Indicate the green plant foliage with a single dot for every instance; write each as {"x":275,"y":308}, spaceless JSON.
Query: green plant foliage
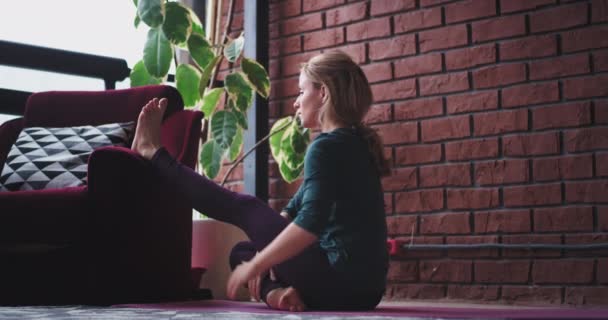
{"x":210,"y":100}
{"x":236,"y":146}
{"x":157,"y":53}
{"x":177,"y":25}
{"x":239,"y":90}
{"x":288,"y":147}
{"x":151,"y":12}
{"x":200,"y":50}
{"x":234,"y":48}
{"x":187,"y":78}
{"x":140,"y":77}
{"x":206,"y":76}
{"x":211,"y":156}
{"x":223,"y":127}
{"x":256,"y":74}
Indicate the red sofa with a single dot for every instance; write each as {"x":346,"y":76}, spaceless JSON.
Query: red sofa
{"x":121,"y":238}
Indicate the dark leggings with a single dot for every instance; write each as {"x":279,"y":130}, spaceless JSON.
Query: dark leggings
{"x":309,"y":272}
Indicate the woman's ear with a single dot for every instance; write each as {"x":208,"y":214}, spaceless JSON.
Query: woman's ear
{"x":324,"y":94}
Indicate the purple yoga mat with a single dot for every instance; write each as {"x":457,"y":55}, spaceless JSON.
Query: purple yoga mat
{"x":391,"y":311}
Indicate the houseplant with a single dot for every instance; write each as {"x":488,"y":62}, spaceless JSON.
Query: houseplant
{"x":174,"y":27}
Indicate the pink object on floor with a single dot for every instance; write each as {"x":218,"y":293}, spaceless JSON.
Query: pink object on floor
{"x":391,"y":311}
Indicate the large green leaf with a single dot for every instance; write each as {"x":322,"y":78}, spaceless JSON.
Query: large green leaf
{"x":234,"y":48}
{"x":178,"y":24}
{"x":200,"y":50}
{"x":187,"y":78}
{"x":136,"y":21}
{"x":210,"y":158}
{"x":223,"y":128}
{"x":207,"y":74}
{"x":151,"y":12}
{"x":241,"y":118}
{"x":157,"y":53}
{"x":275,"y":138}
{"x":197,"y":26}
{"x":210,"y":100}
{"x":257,"y":75}
{"x":236,"y":146}
{"x":140,"y":77}
{"x":239,"y":90}
{"x":289,"y":174}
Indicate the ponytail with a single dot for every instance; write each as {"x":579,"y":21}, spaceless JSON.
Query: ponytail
{"x":376,"y":148}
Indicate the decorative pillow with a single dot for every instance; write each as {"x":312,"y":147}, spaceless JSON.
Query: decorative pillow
{"x":49,"y":158}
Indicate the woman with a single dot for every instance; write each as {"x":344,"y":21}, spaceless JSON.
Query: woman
{"x":327,"y":249}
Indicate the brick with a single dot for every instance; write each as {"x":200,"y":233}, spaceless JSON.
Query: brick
{"x":561,"y":17}
{"x":402,"y":271}
{"x":601,"y":111}
{"x":289,"y":9}
{"x":501,"y":271}
{"x":530,"y":94}
{"x":418,"y":201}
{"x":378,"y":72}
{"x":586,"y":139}
{"x":415,"y":291}
{"x":401,"y":224}
{"x":346,"y":14}
{"x":398,"y":46}
{"x":470,"y":57}
{"x":561,"y":116}
{"x":602,"y":270}
{"x":428,"y":3}
{"x":394,"y":90}
{"x":380,"y":7}
{"x":501,"y":172}
{"x":419,"y":108}
{"x":398,"y":132}
{"x":290,"y":65}
{"x":418,"y":65}
{"x":282,"y":189}
{"x":531,"y":239}
{"x":477,"y":198}
{"x":587,"y":191}
{"x":532,"y":294}
{"x":586,"y":296}
{"x":323,"y":38}
{"x":368,"y":29}
{"x":285,"y":46}
{"x":356,"y":52}
{"x":498,"y":28}
{"x":499,"y":75}
{"x":559,"y":67}
{"x":529,"y":47}
{"x":471,"y":149}
{"x":601,"y":164}
{"x":507,"y":6}
{"x":320,"y":5}
{"x":418,"y":154}
{"x":273,"y":70}
{"x":592,"y":86}
{"x":532,"y":195}
{"x":300,"y":24}
{"x":562,"y":271}
{"x":378,"y":113}
{"x":586,"y":238}
{"x":599,"y":10}
{"x":503,"y":221}
{"x":416,"y":240}
{"x":417,"y":20}
{"x":400,"y":179}
{"x":443,"y":38}
{"x":474,"y":101}
{"x":444,"y":83}
{"x":388,"y":203}
{"x":535,"y":144}
{"x":477,"y":253}
{"x":565,"y":167}
{"x":446,"y":271}
{"x":498,"y":122}
{"x":600,"y":60}
{"x":469,"y":10}
{"x":567,"y":219}
{"x":273,"y":30}
{"x":445,"y":128}
{"x":445,"y":223}
{"x":284,"y":88}
{"x":586,"y":38}
{"x":473,"y":292}
{"x":445,"y":175}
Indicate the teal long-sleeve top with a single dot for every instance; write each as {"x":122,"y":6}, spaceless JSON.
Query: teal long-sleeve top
{"x":341,"y":201}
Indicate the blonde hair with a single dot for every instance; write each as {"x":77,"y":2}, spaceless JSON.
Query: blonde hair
{"x":349,"y":98}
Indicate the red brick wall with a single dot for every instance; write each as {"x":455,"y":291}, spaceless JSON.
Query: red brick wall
{"x":494,"y":116}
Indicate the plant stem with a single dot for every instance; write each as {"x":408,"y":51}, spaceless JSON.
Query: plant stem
{"x":239,"y":160}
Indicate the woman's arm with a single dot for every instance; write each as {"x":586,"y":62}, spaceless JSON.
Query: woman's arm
{"x":291,"y":241}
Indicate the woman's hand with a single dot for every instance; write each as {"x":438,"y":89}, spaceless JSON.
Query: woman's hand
{"x":246,"y":272}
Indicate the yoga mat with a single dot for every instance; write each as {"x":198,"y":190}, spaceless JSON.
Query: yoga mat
{"x":390,"y":311}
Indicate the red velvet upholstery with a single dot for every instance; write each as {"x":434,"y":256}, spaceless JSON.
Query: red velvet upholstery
{"x":121,"y":238}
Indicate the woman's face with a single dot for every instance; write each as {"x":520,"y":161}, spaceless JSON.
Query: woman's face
{"x":309,"y":102}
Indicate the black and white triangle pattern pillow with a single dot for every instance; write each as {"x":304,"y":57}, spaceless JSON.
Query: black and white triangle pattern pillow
{"x":50,"y":158}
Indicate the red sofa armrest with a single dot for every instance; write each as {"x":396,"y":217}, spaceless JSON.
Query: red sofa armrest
{"x":180,"y":134}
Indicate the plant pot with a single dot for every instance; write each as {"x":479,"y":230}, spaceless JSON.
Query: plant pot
{"x":212,"y":241}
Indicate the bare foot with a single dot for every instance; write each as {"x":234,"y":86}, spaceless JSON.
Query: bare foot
{"x":285,"y":299}
{"x":147,"y":134}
